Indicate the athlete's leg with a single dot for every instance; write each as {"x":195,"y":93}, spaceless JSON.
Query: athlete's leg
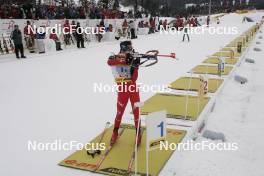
{"x":122,"y":100}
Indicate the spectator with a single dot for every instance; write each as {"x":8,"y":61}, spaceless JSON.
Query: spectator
{"x":40,"y":40}
{"x":164,"y":24}
{"x":43,"y":11}
{"x":125,"y":27}
{"x":67,"y":34}
{"x":29,"y":35}
{"x":132,"y":28}
{"x":146,"y":25}
{"x":98,"y":35}
{"x":217,"y":20}
{"x":79,"y":36}
{"x":118,"y":34}
{"x":73,"y":24}
{"x":186,"y":31}
{"x":160,"y":24}
{"x":196,"y":22}
{"x":208,"y":21}
{"x":16,"y":36}
{"x":54,"y":37}
{"x":152,"y":26}
{"x":192,"y":21}
{"x":102,"y":24}
{"x":109,"y":28}
{"x":141,"y":24}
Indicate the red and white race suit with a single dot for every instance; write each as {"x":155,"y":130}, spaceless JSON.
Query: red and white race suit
{"x":125,"y":77}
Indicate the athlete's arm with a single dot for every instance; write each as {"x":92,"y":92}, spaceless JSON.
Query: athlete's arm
{"x":116,"y":60}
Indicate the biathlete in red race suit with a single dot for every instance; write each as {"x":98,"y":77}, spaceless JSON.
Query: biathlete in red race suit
{"x":125,"y":71}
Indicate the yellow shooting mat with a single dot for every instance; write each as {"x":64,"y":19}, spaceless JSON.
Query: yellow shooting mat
{"x":253,"y":30}
{"x":242,"y":39}
{"x":234,"y":49}
{"x":226,"y":54}
{"x":117,"y":161}
{"x":248,"y":33}
{"x":193,"y":84}
{"x":247,"y":36}
{"x":215,"y":60}
{"x":232,"y":44}
{"x":228,"y":50}
{"x":208,"y":69}
{"x":175,"y":105}
{"x":235,"y":43}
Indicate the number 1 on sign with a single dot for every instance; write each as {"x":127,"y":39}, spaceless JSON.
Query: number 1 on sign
{"x":161,"y":126}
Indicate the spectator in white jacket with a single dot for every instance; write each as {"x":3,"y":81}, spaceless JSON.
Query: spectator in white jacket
{"x":132,"y":28}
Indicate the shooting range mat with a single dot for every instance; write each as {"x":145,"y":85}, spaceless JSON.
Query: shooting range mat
{"x":215,"y":60}
{"x":175,"y":105}
{"x":116,"y":162}
{"x":208,"y":69}
{"x":183,"y":83}
{"x":226,"y":54}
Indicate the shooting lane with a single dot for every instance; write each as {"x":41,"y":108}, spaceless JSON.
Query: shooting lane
{"x":117,"y":161}
{"x":194,"y":83}
{"x":175,"y":104}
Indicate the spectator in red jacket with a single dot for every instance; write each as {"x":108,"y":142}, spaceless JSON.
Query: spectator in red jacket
{"x":192,"y":22}
{"x":124,"y":27}
{"x":29,"y":29}
{"x":152,"y":26}
{"x":29,"y":35}
{"x":54,"y":37}
{"x":165,"y":23}
{"x":67,"y":34}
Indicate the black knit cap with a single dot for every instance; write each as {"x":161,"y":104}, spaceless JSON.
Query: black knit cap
{"x":124,"y":45}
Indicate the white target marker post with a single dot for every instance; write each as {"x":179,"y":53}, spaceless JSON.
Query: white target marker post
{"x":221,"y":66}
{"x":137,"y":105}
{"x":203,"y":90}
{"x":155,"y":133}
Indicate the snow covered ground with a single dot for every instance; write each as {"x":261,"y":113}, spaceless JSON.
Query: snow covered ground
{"x":51,"y":97}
